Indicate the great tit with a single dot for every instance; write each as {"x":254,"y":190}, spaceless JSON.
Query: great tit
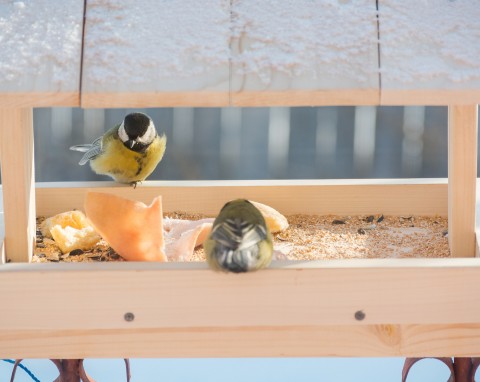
{"x":128,"y":152}
{"x":240,"y":240}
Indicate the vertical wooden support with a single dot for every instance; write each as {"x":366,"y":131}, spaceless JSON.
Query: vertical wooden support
{"x":462,"y":176}
{"x":18,"y":182}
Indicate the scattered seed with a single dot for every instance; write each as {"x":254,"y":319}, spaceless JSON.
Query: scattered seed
{"x":281,"y":238}
{"x":41,"y":245}
{"x":361,"y":231}
{"x":380,"y":219}
{"x":114,"y":256}
{"x":77,"y":252}
{"x":53,"y":257}
{"x":369,"y":219}
{"x":339,"y":221}
{"x":94,"y":256}
{"x":41,"y":255}
{"x":445,"y":232}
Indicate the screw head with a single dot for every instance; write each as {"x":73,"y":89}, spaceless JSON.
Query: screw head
{"x":129,"y":316}
{"x":359,"y":315}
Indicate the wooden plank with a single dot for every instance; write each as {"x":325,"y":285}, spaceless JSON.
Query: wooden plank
{"x":41,"y":52}
{"x":18,"y":179}
{"x":432,"y":97}
{"x":462,"y":175}
{"x":163,"y":53}
{"x":286,"y":97}
{"x":345,"y":197}
{"x":154,"y":99}
{"x":39,"y":99}
{"x":327,"y":56}
{"x":314,"y":341}
{"x":2,"y":230}
{"x":429,"y":54}
{"x":68,"y":296}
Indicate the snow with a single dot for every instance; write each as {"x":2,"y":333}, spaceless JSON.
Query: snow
{"x":191,"y":45}
{"x":430,"y":40}
{"x":40,"y":44}
{"x":141,"y":41}
{"x":312,"y":38}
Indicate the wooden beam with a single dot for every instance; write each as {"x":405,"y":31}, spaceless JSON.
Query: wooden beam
{"x":412,"y":307}
{"x":312,"y":341}
{"x":339,"y":197}
{"x":167,"y":295}
{"x":39,"y":99}
{"x":462,"y":179}
{"x":18,"y":179}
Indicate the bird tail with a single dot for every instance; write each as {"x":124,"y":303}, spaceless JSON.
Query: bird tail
{"x":82,"y":148}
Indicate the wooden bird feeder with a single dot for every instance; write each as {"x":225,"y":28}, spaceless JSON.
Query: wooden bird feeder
{"x":241,"y":53}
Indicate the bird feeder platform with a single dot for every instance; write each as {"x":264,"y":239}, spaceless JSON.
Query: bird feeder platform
{"x":241,"y":53}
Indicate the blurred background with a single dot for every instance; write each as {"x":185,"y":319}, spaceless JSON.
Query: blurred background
{"x":260,"y":143}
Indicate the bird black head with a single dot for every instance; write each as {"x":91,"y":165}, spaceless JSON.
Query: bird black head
{"x":137,"y":131}
{"x":136,"y":124}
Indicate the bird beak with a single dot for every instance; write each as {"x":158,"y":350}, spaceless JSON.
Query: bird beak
{"x":130,"y":143}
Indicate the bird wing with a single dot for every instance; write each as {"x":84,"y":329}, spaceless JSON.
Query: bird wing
{"x":91,"y":150}
{"x":237,"y":234}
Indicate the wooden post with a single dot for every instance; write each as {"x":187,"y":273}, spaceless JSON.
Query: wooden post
{"x":18,"y":182}
{"x":462,"y":176}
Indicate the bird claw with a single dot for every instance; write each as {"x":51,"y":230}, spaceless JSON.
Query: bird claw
{"x":134,"y":184}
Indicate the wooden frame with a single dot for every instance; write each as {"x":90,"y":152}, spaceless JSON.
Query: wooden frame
{"x":413,"y":307}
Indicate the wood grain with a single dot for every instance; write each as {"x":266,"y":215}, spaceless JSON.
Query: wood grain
{"x":340,"y":197}
{"x":186,"y":295}
{"x":314,"y":341}
{"x":328,"y":97}
{"x":437,"y":96}
{"x":39,"y":99}
{"x":462,"y":175}
{"x":18,"y":182}
{"x":155,"y":99}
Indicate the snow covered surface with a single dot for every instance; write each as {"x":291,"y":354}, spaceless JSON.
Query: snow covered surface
{"x":430,"y":43}
{"x":40,"y":45}
{"x":238,"y":45}
{"x":160,"y":45}
{"x":304,"y":44}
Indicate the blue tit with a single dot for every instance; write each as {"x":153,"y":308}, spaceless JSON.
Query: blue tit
{"x":128,"y":152}
{"x":240,"y":240}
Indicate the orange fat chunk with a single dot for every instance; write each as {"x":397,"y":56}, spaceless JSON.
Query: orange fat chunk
{"x":133,"y":229}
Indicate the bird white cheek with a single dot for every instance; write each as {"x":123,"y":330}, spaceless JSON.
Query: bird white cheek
{"x":122,"y":133}
{"x":149,"y":135}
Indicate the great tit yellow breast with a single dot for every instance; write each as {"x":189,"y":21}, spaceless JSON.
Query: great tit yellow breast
{"x":125,"y":165}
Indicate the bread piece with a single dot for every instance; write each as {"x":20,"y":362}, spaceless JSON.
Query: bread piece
{"x":276,"y":222}
{"x":70,"y":238}
{"x":70,"y":230}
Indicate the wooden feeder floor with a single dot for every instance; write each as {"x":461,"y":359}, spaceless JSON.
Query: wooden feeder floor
{"x":310,"y":237}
